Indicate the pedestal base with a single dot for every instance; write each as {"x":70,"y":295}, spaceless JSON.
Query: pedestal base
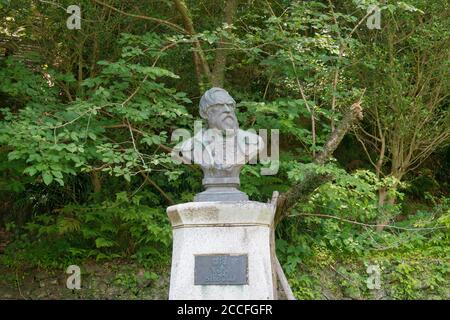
{"x":221,"y":250}
{"x":222,"y":194}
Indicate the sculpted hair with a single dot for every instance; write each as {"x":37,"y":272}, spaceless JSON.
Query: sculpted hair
{"x":212,"y":97}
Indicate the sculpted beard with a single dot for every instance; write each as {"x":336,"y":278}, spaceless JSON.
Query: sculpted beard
{"x":229,"y":121}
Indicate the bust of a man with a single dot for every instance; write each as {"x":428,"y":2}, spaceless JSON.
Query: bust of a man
{"x":222,"y":149}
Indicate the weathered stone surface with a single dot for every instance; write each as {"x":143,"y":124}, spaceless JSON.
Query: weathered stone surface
{"x":220,"y":214}
{"x":218,"y":228}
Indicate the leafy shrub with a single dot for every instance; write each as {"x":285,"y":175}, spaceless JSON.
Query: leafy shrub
{"x":329,"y":242}
{"x":120,"y":228}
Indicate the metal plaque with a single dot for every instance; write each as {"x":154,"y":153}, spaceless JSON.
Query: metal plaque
{"x":223,"y":269}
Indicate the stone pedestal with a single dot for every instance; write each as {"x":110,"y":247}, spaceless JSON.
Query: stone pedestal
{"x":221,"y":251}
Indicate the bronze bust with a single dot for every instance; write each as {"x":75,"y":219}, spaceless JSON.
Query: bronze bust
{"x":222,"y":150}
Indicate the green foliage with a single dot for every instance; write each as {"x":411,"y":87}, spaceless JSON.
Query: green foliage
{"x":120,"y":228}
{"x":67,"y":139}
{"x":327,"y":247}
{"x":352,"y":196}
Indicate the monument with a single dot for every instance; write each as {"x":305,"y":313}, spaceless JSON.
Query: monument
{"x":221,"y":247}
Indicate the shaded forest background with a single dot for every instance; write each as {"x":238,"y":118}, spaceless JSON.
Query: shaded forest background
{"x":86,"y":118}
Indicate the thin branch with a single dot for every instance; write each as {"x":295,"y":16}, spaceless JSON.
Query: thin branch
{"x":163,"y":147}
{"x":363,"y":224}
{"x":160,"y":21}
{"x":365,"y":150}
{"x":134,"y":144}
{"x":153,"y":183}
{"x":134,"y":92}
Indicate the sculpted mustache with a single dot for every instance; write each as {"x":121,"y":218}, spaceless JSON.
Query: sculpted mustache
{"x":228,"y":116}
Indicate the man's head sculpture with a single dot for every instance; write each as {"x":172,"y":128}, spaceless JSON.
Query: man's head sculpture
{"x":217,"y":106}
{"x":222,"y":150}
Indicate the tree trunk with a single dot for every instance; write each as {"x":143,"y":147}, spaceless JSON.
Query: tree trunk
{"x":383,"y":199}
{"x":201,"y":65}
{"x":218,"y":73}
{"x":96,"y":182}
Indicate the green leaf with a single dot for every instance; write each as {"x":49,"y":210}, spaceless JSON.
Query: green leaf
{"x":30,"y":170}
{"x":150,"y":275}
{"x":47,"y":177}
{"x":57,"y":174}
{"x":60,"y":181}
{"x":103,"y":243}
